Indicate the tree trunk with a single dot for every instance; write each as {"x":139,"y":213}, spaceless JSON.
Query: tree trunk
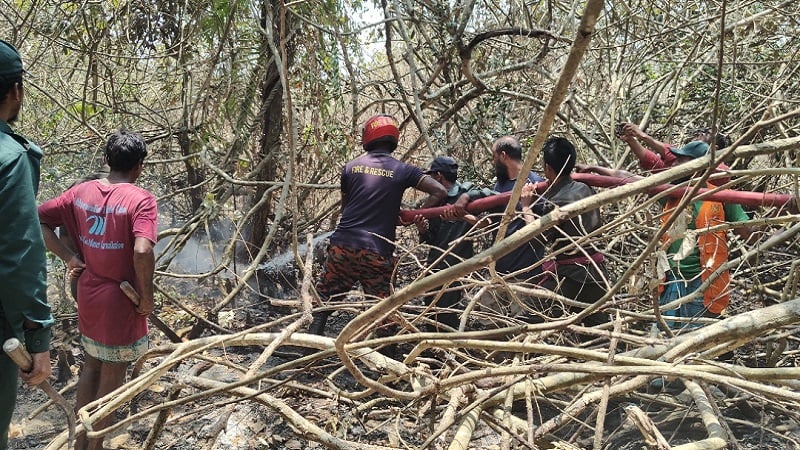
{"x":194,"y":173}
{"x":272,"y":126}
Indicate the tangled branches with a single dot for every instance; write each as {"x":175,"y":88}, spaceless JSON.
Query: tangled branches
{"x":503,"y":382}
{"x":506,"y":385}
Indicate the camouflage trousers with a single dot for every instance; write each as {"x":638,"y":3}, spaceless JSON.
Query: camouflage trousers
{"x":344,"y":267}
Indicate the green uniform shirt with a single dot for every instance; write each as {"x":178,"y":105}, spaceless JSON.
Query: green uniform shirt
{"x":23,"y":265}
{"x":689,"y":267}
{"x":441,"y":233}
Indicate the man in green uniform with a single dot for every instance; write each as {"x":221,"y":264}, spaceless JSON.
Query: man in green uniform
{"x":444,"y":234}
{"x":24,"y":312}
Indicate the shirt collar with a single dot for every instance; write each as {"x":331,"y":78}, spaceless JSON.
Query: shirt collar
{"x":562,"y":181}
{"x":453,"y":190}
{"x":5,"y":128}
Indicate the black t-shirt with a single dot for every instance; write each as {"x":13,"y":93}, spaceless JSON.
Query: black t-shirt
{"x":526,"y":254}
{"x":372,"y":190}
{"x":562,"y":193}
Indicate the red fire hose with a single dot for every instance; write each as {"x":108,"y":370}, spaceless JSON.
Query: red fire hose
{"x":744,"y":198}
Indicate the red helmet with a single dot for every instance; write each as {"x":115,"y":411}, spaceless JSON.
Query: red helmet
{"x":378,"y":127}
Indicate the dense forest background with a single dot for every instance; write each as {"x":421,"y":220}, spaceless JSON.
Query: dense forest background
{"x":250,"y":108}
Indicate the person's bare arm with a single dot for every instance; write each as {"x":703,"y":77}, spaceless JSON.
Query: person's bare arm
{"x":604,"y":171}
{"x":636,"y":147}
{"x":75,"y":264}
{"x":648,"y":159}
{"x":453,"y":214}
{"x":526,"y":199}
{"x":458,"y":210}
{"x":144,"y":264}
{"x":633,"y":131}
{"x":436,"y":192}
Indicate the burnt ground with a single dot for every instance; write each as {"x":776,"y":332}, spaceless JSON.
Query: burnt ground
{"x":251,"y":426}
{"x":756,"y":424}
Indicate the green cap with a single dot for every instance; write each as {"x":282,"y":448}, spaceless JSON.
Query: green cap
{"x":10,"y":62}
{"x":694,"y":149}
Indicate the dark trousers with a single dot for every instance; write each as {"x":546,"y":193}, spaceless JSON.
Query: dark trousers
{"x":583,"y":292}
{"x":448,"y":300}
{"x":8,"y":392}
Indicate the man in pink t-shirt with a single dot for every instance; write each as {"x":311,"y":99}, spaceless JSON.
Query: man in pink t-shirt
{"x":114,"y":226}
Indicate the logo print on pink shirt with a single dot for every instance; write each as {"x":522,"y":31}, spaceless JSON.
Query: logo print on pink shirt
{"x":98,"y":227}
